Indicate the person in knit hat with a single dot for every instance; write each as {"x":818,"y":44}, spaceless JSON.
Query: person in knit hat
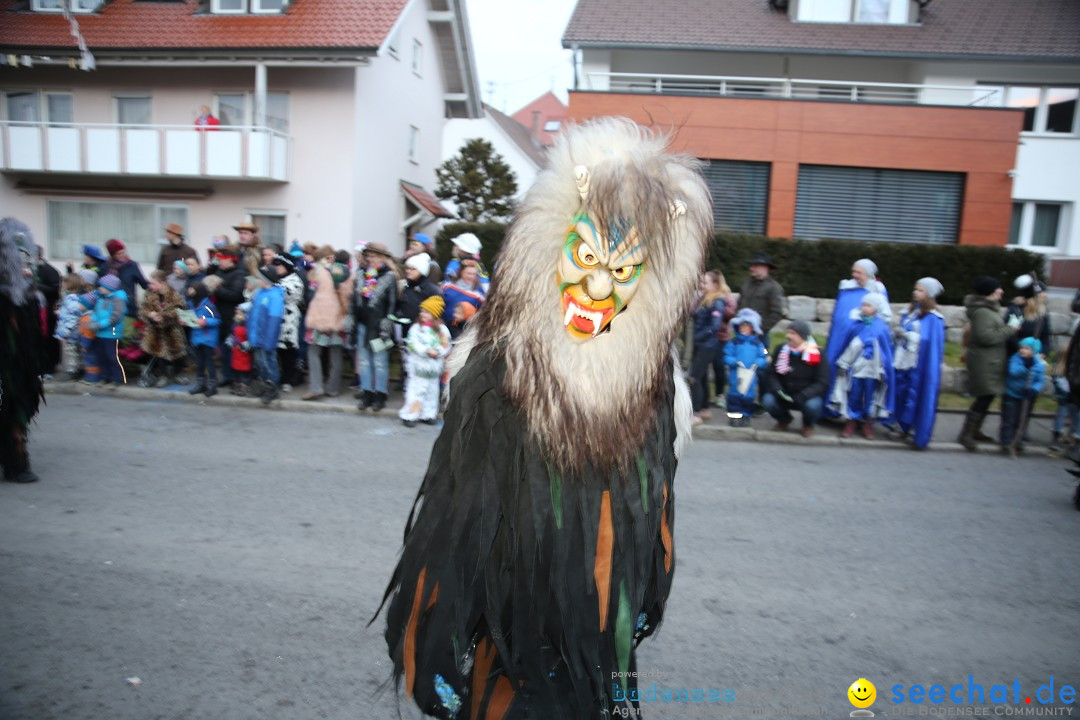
{"x":865,"y":384}
{"x":1031,"y":305}
{"x":796,"y":380}
{"x":984,"y":355}
{"x":1025,"y":380}
{"x":918,"y":352}
{"x":463,"y":312}
{"x":107,"y":322}
{"x":426,"y":346}
{"x":129,"y":273}
{"x":417,"y":287}
{"x":744,"y":357}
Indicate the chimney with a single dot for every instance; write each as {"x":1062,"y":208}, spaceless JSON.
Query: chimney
{"x":534,"y":129}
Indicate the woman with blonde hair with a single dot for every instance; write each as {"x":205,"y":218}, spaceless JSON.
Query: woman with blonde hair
{"x":710,"y":319}
{"x":731,"y":306}
{"x":1030,"y":306}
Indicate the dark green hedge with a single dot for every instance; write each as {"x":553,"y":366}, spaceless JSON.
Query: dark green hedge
{"x":815,"y":267}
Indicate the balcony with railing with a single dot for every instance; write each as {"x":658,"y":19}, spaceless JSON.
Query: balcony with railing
{"x":181,"y":151}
{"x":794,"y":89}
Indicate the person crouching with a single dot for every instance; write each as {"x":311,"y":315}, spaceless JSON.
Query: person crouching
{"x":427,"y":344}
{"x":797,"y":380}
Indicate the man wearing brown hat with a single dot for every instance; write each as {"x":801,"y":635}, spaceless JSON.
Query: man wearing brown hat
{"x":762,"y":293}
{"x":248,"y":234}
{"x":177,"y":249}
{"x":375,"y":299}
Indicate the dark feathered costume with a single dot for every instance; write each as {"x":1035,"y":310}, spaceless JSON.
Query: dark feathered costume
{"x":540,"y":551}
{"x":21,"y":348}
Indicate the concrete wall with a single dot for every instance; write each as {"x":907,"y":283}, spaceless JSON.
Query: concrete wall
{"x":390,"y":98}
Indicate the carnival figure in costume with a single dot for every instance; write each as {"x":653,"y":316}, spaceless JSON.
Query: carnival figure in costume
{"x":917,"y":356}
{"x":539,"y":551}
{"x":21,"y":346}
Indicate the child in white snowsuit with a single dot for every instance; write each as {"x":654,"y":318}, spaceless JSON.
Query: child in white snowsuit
{"x":427,"y":344}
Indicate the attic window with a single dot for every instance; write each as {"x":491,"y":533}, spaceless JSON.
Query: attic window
{"x":243,"y":7}
{"x":75,"y":6}
{"x":552,"y":126}
{"x":873,"y":12}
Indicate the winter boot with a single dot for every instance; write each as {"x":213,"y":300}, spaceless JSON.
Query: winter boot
{"x":849,"y":429}
{"x":977,"y":434}
{"x":972,"y":420}
{"x":380,"y":402}
{"x":200,"y":387}
{"x":211,"y":388}
{"x":20,"y":472}
{"x":367,"y":399}
{"x":270,"y":394}
{"x":868,"y":429}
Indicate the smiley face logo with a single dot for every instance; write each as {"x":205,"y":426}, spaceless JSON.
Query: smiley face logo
{"x":862,"y":693}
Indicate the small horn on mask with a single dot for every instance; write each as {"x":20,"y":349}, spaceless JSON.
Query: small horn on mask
{"x":677,"y":208}
{"x":581,"y":178}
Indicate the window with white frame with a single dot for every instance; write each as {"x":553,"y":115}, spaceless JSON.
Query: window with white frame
{"x":75,"y":6}
{"x":417,"y":56}
{"x":1046,"y":109}
{"x":35,"y":105}
{"x":277,"y":111}
{"x":71,"y":224}
{"x":877,"y":12}
{"x":231,"y":108}
{"x":240,"y":7}
{"x":271,"y":224}
{"x":414,"y":143}
{"x":1038,"y":225}
{"x":132,"y":109}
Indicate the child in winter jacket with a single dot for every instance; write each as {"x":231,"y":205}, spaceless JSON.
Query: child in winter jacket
{"x":240,"y":356}
{"x":264,"y":329}
{"x":163,"y":335}
{"x":1023,"y":381}
{"x":204,"y":339}
{"x":744,"y":356}
{"x":865,"y":378}
{"x":1067,"y":410}
{"x":427,"y":344}
{"x":107,"y":322}
{"x":67,"y":320}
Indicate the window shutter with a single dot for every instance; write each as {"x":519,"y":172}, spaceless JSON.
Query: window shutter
{"x":849,"y":203}
{"x":740,"y":194}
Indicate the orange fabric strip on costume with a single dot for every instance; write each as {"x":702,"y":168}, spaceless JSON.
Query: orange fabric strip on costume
{"x":602,"y":568}
{"x":481,"y":668}
{"x":665,"y":533}
{"x":501,"y":698}
{"x":409,"y":655}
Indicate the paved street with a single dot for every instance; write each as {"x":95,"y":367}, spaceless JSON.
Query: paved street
{"x":229,"y":558}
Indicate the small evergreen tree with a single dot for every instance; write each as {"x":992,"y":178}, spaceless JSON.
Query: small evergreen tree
{"x":478,"y":181}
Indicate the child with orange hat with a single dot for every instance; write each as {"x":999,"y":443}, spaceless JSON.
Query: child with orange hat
{"x":426,"y":347}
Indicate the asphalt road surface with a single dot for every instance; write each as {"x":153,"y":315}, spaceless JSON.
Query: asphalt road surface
{"x":230,"y":558}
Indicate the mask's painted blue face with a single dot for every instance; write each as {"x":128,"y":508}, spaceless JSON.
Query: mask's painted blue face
{"x":598,"y":275}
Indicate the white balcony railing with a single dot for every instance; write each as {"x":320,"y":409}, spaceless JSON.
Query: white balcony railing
{"x":796,"y":89}
{"x":243,"y":153}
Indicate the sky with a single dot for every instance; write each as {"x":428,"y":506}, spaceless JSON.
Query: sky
{"x":518,"y":50}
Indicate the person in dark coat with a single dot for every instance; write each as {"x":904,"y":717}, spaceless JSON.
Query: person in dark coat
{"x":129,"y":273}
{"x":375,"y":299}
{"x":227,"y":297}
{"x":177,"y":249}
{"x":985,"y":353}
{"x":94,"y":259}
{"x":762,"y":294}
{"x":20,"y":354}
{"x":796,"y":380}
{"x":417,"y":287}
{"x":48,"y":282}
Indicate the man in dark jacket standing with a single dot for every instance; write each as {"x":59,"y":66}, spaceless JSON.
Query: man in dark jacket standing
{"x":227,"y":297}
{"x":177,"y":249}
{"x":763,"y":294}
{"x":375,"y":299}
{"x":796,"y":379}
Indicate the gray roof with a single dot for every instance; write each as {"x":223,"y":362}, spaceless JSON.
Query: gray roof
{"x":1040,"y":30}
{"x":519,"y":134}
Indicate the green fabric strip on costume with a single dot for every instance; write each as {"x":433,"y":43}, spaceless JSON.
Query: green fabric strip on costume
{"x":556,"y":494}
{"x":624,"y":632}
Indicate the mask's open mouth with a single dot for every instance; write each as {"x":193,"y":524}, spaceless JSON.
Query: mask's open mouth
{"x":586,"y":321}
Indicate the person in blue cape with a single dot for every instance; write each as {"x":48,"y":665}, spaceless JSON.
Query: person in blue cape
{"x":849,"y":297}
{"x":865,"y":382}
{"x":917,"y":357}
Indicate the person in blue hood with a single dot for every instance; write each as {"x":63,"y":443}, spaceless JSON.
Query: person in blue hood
{"x":745,"y":357}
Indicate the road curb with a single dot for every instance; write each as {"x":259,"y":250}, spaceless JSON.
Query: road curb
{"x":705,"y":431}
